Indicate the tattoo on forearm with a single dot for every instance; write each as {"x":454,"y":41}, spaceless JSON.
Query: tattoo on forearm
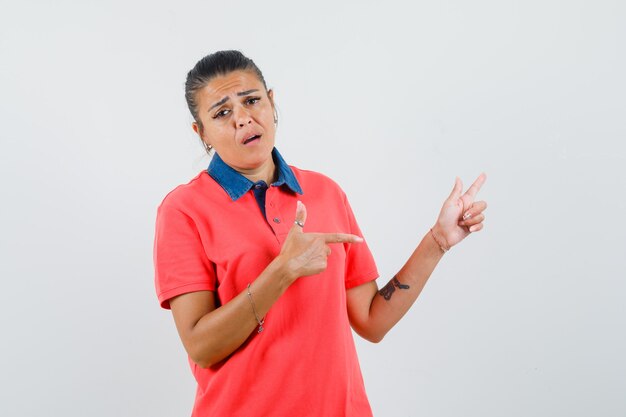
{"x":388,"y":290}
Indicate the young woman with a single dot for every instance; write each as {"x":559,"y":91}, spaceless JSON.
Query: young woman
{"x":264,"y":267}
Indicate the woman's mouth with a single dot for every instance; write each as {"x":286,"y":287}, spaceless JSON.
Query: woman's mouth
{"x":251,"y":139}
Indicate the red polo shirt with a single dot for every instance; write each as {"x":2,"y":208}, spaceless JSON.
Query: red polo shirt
{"x":304,"y":363}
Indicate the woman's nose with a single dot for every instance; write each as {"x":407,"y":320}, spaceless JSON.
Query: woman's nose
{"x":242,"y":117}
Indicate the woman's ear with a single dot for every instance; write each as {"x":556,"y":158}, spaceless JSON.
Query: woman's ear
{"x":270,"y":94}
{"x":198,"y":129}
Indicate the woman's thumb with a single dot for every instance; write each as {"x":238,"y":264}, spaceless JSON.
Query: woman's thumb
{"x":300,"y":215}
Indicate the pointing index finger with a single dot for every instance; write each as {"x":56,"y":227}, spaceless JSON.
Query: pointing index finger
{"x":475,"y":187}
{"x":341,"y":238}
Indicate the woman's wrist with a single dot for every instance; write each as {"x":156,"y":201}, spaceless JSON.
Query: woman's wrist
{"x":280,"y":267}
{"x":439,"y":239}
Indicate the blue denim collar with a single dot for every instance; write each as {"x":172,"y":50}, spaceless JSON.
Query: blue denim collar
{"x":236,"y":185}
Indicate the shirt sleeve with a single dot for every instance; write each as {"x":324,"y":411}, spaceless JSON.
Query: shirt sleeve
{"x":180,"y":262}
{"x":360,"y":264}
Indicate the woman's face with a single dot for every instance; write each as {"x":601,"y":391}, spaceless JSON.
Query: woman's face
{"x":237,"y":116}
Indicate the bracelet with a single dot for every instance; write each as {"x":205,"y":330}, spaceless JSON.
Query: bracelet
{"x":443,"y":249}
{"x":260,"y":321}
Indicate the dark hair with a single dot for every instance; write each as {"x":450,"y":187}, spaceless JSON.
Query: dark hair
{"x":211,"y":66}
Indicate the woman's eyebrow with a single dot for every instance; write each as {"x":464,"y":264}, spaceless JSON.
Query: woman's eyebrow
{"x":225,"y":99}
{"x":245,"y":93}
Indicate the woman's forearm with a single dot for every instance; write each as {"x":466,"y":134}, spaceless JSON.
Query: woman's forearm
{"x":392,"y":301}
{"x":220,"y":332}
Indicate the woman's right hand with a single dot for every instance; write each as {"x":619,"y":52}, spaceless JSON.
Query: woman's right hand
{"x":306,"y":254}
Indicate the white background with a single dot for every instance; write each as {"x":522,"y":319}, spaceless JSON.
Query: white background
{"x":392,"y":100}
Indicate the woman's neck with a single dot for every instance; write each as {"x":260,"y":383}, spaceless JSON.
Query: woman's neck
{"x":266,"y":172}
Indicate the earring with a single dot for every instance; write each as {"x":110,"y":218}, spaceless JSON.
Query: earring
{"x":275,"y":117}
{"x":207,"y":147}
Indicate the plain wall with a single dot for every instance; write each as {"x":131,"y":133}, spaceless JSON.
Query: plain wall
{"x":392,"y":100}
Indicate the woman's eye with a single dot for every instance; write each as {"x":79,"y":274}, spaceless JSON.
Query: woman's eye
{"x":221,"y":113}
{"x":253,"y":100}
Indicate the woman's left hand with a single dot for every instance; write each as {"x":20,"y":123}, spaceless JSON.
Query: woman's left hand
{"x":460,"y":214}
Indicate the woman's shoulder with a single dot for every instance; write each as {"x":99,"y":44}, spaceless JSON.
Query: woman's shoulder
{"x":184,"y":194}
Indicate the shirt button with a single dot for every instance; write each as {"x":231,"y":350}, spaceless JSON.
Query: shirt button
{"x":257,"y":186}
{"x":276,"y":220}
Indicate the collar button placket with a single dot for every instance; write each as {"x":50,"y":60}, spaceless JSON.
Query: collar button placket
{"x":275,"y":217}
